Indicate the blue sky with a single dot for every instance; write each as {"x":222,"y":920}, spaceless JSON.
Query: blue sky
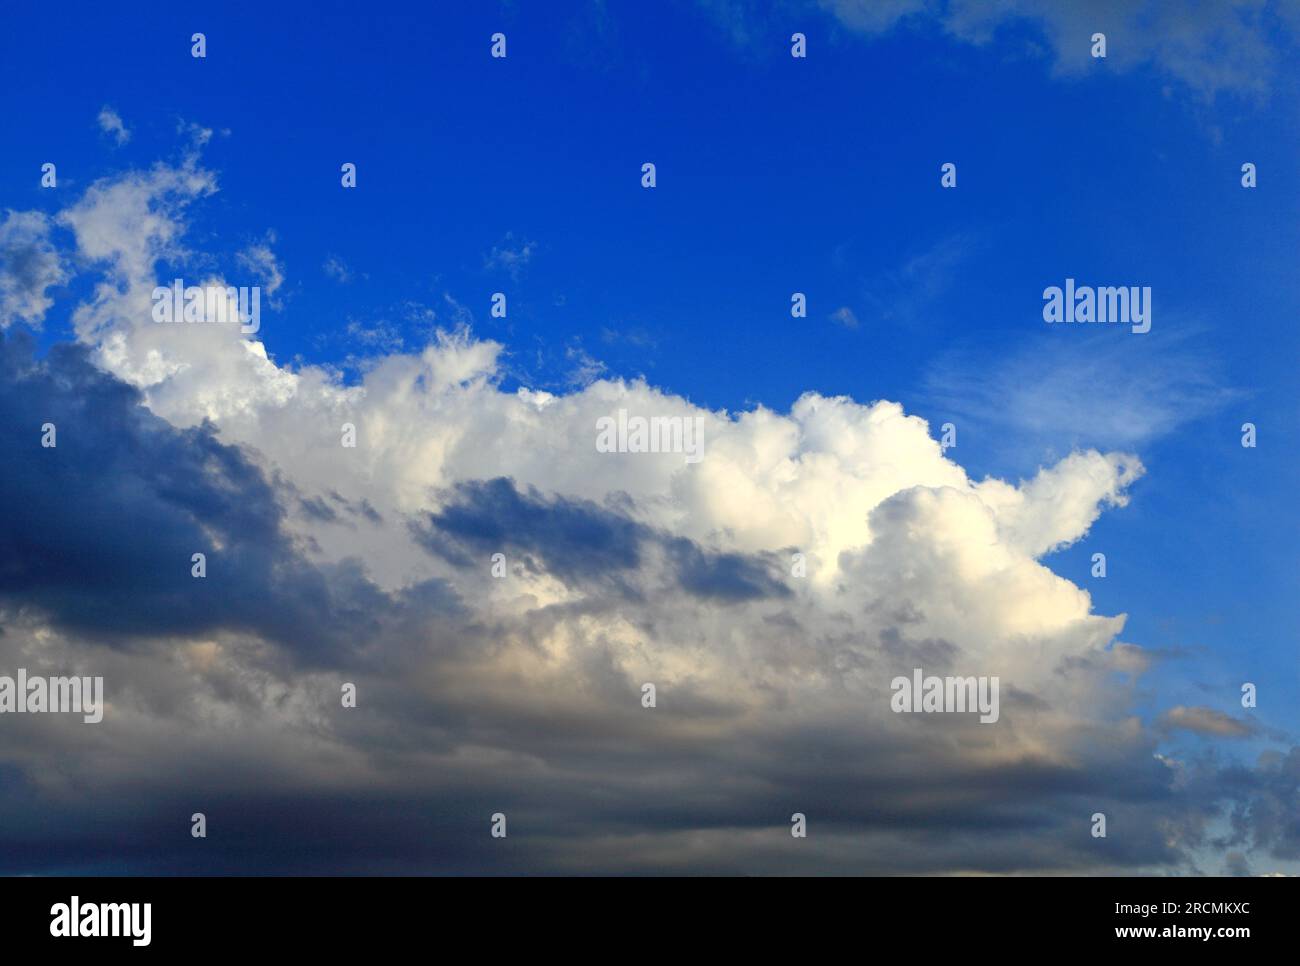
{"x":775,"y":175}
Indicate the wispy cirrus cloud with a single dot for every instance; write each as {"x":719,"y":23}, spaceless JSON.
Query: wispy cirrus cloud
{"x":510,"y":256}
{"x":337,"y":269}
{"x":1069,"y":388}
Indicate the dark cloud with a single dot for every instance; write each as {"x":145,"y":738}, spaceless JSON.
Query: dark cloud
{"x":723,"y":576}
{"x":579,"y":542}
{"x":1266,"y":811}
{"x":102,"y":527}
{"x":571,"y":540}
{"x":317,"y":509}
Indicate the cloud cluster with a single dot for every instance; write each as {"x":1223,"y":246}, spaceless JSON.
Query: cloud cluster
{"x":770,"y":592}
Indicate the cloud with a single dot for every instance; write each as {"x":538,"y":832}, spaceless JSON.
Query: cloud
{"x":586,"y":369}
{"x":844,"y":316}
{"x":337,"y":269}
{"x":510,"y":256}
{"x":1071,"y":389}
{"x":372,"y":564}
{"x":111,"y":124}
{"x":260,"y":259}
{"x":1060,"y":504}
{"x":1267,"y":814}
{"x":124,"y":227}
{"x":109,"y":555}
{"x":1206,"y":721}
{"x":573,"y":540}
{"x":582,"y":544}
{"x":1235,"y":864}
{"x":29,"y":265}
{"x":1237,"y":46}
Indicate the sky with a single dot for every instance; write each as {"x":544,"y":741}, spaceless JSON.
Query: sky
{"x":476,"y":435}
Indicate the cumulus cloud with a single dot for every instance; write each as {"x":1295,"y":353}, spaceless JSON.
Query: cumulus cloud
{"x":770,"y":591}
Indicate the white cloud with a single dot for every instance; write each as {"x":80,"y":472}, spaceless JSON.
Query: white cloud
{"x":111,"y":124}
{"x":862,"y":489}
{"x":809,"y":479}
{"x":1060,"y":504}
{"x":261,"y":260}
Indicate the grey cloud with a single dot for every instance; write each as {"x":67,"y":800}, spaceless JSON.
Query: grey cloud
{"x":1206,"y":721}
{"x":578,"y":541}
{"x":29,"y":265}
{"x":111,"y":516}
